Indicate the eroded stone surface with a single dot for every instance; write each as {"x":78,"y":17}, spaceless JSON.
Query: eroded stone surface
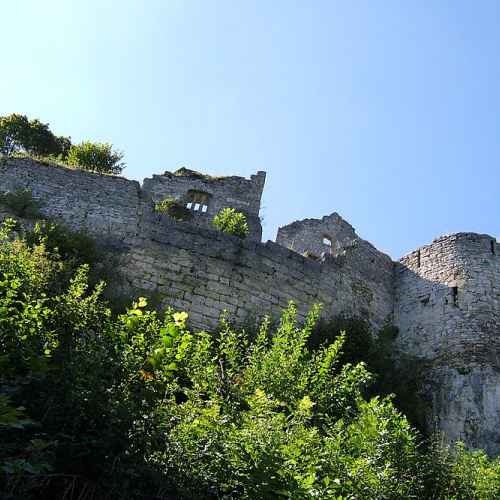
{"x":448,"y":311}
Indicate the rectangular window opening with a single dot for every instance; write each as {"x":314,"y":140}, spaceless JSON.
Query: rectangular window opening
{"x":454,"y":294}
{"x":204,"y":208}
{"x":196,"y":206}
{"x":418,"y":259}
{"x":189,"y":205}
{"x":493,"y":249}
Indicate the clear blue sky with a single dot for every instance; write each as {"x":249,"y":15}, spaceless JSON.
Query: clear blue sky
{"x":387,"y":112}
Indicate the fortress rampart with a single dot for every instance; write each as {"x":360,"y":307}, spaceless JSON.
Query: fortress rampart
{"x":199,"y":269}
{"x":448,"y":312}
{"x":444,"y":297}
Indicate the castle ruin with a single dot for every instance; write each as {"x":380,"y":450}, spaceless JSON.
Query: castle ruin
{"x":444,"y":297}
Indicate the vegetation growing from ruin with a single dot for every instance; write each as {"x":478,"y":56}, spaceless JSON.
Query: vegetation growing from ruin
{"x":96,"y":157}
{"x":98,"y":405}
{"x":21,"y":203}
{"x":194,"y":174}
{"x":230,"y":221}
{"x":171,"y":207}
{"x":21,"y":136}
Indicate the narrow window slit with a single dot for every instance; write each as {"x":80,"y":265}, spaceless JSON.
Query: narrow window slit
{"x":419,"y":260}
{"x":493,"y":249}
{"x":454,"y":295}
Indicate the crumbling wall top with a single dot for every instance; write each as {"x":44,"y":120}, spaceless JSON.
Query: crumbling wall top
{"x":206,"y":195}
{"x":314,"y":237}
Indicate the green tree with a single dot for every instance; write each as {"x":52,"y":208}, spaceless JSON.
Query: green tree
{"x":97,"y":157}
{"x":230,"y":221}
{"x":14,"y":132}
{"x":19,"y":134}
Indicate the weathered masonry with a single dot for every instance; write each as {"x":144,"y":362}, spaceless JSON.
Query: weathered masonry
{"x":444,"y":297}
{"x":447,"y":307}
{"x":205,"y":195}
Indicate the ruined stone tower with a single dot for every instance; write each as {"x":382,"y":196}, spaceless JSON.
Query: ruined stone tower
{"x":447,"y":308}
{"x":205,"y":195}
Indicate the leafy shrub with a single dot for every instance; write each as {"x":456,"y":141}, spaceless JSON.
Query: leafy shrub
{"x":452,"y":472}
{"x":401,"y":377}
{"x":271,"y":419}
{"x":21,"y":203}
{"x":75,"y":246}
{"x":230,"y":221}
{"x":172,"y":208}
{"x":137,"y":406}
{"x":97,"y":157}
{"x":18,"y":134}
{"x":359,"y":344}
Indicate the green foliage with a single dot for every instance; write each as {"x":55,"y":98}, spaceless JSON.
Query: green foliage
{"x":134,"y":405}
{"x":21,"y":203}
{"x":401,"y":377}
{"x":96,"y":157}
{"x":171,"y":207}
{"x":19,"y":134}
{"x":359,"y":344}
{"x":75,"y":246}
{"x":457,"y":473}
{"x":230,"y":221}
{"x":272,"y":419}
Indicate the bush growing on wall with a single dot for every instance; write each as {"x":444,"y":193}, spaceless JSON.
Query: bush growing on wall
{"x":21,"y":203}
{"x":230,"y":221}
{"x":97,"y":157}
{"x":171,"y":207}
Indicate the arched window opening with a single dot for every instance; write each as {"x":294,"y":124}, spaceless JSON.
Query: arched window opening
{"x":327,"y":241}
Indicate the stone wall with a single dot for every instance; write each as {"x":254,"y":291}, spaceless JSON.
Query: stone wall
{"x":205,"y":272}
{"x":444,"y":297}
{"x":330,"y":235}
{"x":198,"y":269}
{"x":220,"y":192}
{"x":106,"y":206}
{"x":448,"y":313}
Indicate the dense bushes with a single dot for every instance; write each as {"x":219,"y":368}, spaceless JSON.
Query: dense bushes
{"x":94,"y":405}
{"x":230,"y":221}
{"x":19,"y":135}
